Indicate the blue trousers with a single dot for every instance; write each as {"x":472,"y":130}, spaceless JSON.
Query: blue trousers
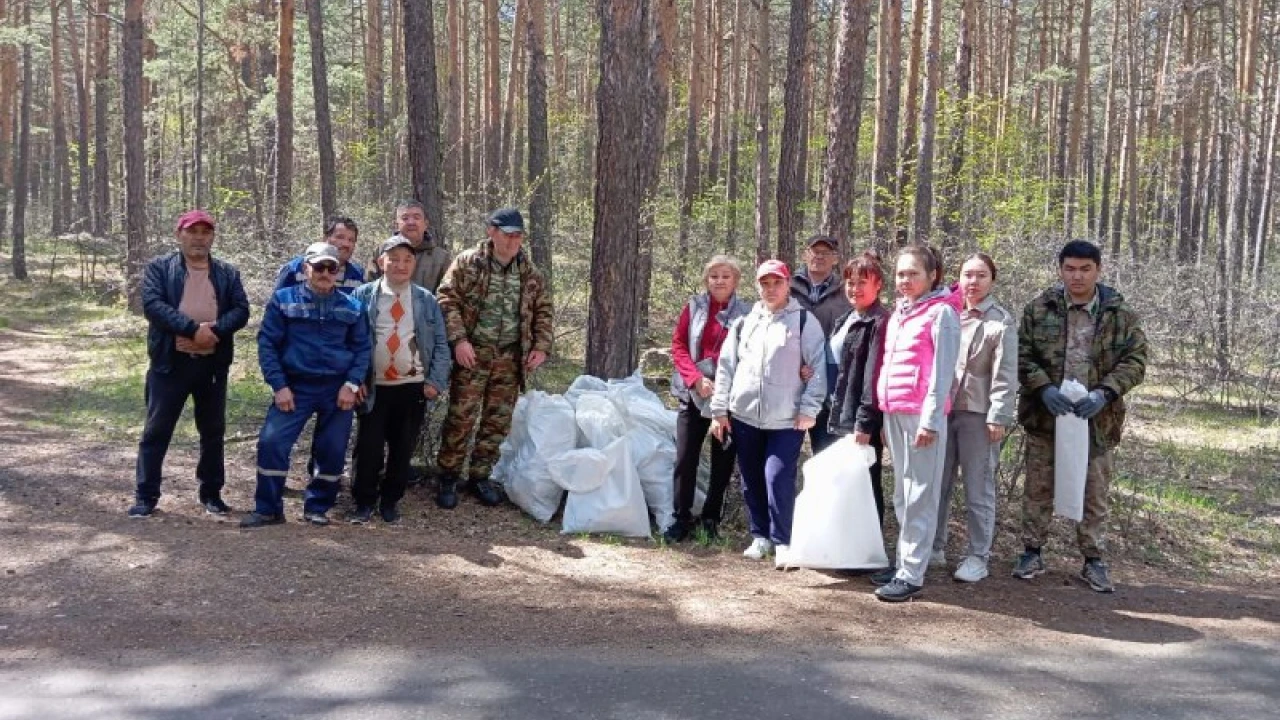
{"x":767,"y":460}
{"x":328,"y":446}
{"x":203,"y":380}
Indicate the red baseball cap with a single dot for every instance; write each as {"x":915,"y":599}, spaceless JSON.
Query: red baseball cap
{"x":195,"y":217}
{"x":773,"y":267}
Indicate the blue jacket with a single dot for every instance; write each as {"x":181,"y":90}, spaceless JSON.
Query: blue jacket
{"x":305,"y":336}
{"x":428,"y":334}
{"x":163,"y":281}
{"x":293,"y":273}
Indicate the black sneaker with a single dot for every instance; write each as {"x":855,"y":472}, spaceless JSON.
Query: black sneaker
{"x":487,"y":492}
{"x":897,"y":591}
{"x":447,"y":494}
{"x":254,"y":520}
{"x":1029,"y":565}
{"x":361,"y":515}
{"x":316,"y":518}
{"x":710,"y":528}
{"x":1095,"y":573}
{"x":142,"y":509}
{"x":215,"y":506}
{"x":883,"y":577}
{"x":678,"y":532}
{"x":390,"y":514}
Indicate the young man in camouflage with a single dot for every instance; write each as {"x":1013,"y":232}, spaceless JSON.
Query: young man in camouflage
{"x":498,"y":320}
{"x":1083,"y":330}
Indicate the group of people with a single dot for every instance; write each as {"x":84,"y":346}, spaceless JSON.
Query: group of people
{"x":333,"y":345}
{"x":936,"y":378}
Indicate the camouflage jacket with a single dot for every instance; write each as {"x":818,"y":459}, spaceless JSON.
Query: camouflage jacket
{"x":461,"y":296}
{"x":1118,"y":360}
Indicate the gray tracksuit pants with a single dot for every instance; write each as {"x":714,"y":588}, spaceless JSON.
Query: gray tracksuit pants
{"x":971,"y":454}
{"x":917,"y":487}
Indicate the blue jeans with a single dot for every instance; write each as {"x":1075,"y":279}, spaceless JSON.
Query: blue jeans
{"x":204,"y":380}
{"x":767,"y":460}
{"x":280,"y":431}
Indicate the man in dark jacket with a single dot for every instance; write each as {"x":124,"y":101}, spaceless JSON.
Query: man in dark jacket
{"x":341,"y":232}
{"x":1082,"y":330}
{"x":820,"y":290}
{"x":194,"y":304}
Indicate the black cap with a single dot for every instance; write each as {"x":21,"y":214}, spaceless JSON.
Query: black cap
{"x":833,"y":243}
{"x":394,"y":242}
{"x":508,"y":220}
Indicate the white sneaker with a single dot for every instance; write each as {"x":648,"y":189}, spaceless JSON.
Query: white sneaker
{"x":781,"y":556}
{"x":971,"y":570}
{"x":760,"y":549}
{"x":938,"y":558}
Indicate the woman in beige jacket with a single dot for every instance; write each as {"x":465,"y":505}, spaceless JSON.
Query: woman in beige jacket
{"x":986,"y":387}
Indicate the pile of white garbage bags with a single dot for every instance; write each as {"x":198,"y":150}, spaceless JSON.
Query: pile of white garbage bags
{"x":610,"y":445}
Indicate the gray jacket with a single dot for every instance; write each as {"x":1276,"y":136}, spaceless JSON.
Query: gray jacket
{"x":758,"y":378}
{"x":987,"y":367}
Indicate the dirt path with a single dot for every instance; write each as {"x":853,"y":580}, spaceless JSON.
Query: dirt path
{"x":80,"y":579}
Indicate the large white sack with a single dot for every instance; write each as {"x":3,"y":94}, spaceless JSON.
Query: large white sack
{"x":542,"y":428}
{"x":584,"y":384}
{"x":581,"y":471}
{"x":655,"y":459}
{"x":616,"y":507}
{"x":1070,"y":457}
{"x":835,"y":526}
{"x":599,"y":421}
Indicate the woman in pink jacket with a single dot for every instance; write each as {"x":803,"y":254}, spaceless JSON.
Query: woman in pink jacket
{"x":922,"y":340}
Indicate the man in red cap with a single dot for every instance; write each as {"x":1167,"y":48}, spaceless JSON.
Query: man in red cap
{"x":194,"y":304}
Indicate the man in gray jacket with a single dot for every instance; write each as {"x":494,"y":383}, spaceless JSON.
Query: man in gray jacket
{"x":819,"y":289}
{"x":762,"y":403}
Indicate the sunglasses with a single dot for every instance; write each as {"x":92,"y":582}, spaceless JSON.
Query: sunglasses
{"x":330,"y":268}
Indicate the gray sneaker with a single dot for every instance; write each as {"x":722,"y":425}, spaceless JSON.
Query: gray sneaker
{"x":1029,"y":565}
{"x":1096,"y":574}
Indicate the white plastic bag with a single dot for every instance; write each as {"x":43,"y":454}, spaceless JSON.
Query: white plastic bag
{"x":599,"y":421}
{"x":835,"y":526}
{"x":1070,"y":457}
{"x":542,"y":428}
{"x":655,"y":460}
{"x":584,"y":384}
{"x":581,"y":471}
{"x":617,"y":506}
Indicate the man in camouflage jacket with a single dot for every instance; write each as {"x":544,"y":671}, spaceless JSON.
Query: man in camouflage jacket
{"x":498,"y":320}
{"x":1083,"y":330}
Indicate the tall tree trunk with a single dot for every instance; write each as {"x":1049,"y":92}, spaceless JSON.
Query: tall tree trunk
{"x":493,"y":100}
{"x":506,"y":156}
{"x":952,"y":196}
{"x":1008,"y":71}
{"x":911,"y":115}
{"x":624,"y":62}
{"x":135,"y":160}
{"x":663,"y":29}
{"x":453,"y":102}
{"x":197,"y":154}
{"x":101,"y":96}
{"x":763,"y":109}
{"x":1109,"y":130}
{"x":928,"y":127}
{"x":8,"y":87}
{"x":466,"y":151}
{"x":22,"y":164}
{"x":884,"y":173}
{"x":715,"y":46}
{"x":1262,"y":231}
{"x":844,"y":119}
{"x":1077,"y":115}
{"x":539,"y":168}
{"x":61,"y":195}
{"x":81,"y":221}
{"x":374,"y":110}
{"x":690,"y":181}
{"x":320,"y":91}
{"x":790,"y":170}
{"x":283,"y":188}
{"x":1187,"y":110}
{"x":732,"y":181}
{"x":423,"y":111}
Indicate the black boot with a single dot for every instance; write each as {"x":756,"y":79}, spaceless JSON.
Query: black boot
{"x":447,"y":495}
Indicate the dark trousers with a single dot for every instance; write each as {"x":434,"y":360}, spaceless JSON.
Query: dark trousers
{"x":819,"y":436}
{"x":393,"y":424}
{"x":691,"y":431}
{"x":280,"y":430}
{"x":204,"y":380}
{"x":877,"y":473}
{"x":767,"y":460}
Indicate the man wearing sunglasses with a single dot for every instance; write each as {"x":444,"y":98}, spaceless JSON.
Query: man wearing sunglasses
{"x":313,"y":348}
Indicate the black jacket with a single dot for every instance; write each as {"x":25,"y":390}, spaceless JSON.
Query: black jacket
{"x":162,"y":285}
{"x":853,"y":405}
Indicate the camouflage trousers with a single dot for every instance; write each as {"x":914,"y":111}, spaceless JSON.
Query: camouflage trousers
{"x":1037,"y":501}
{"x":487,"y":392}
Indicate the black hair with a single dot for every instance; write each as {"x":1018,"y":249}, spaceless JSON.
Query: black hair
{"x":332,"y":222}
{"x":1080,"y":250}
{"x":410,"y":203}
{"x":986,"y":260}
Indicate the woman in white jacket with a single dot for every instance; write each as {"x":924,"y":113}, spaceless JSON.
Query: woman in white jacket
{"x":764,"y":406}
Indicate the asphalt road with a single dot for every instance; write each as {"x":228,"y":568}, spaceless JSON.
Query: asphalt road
{"x":1102,"y":679}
